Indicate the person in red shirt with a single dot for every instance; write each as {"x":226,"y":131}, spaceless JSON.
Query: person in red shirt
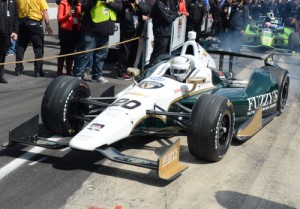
{"x":182,"y":8}
{"x":68,"y":16}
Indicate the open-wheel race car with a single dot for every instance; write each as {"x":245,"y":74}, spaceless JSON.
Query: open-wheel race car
{"x":270,"y":33}
{"x":180,"y":96}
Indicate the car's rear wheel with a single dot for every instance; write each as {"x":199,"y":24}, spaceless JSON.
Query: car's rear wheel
{"x":61,"y":105}
{"x":210,"y":128}
{"x":282,"y":77}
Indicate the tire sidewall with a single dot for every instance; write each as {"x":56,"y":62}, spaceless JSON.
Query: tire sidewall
{"x":204,"y":127}
{"x":56,"y":105}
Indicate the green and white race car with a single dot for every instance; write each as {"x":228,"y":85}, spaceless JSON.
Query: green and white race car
{"x":184,"y":95}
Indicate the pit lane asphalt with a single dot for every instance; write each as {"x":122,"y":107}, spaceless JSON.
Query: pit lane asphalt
{"x":260,"y":173}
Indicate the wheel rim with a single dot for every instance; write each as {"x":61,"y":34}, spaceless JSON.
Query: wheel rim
{"x":76,"y":108}
{"x":284,"y":94}
{"x":224,"y":130}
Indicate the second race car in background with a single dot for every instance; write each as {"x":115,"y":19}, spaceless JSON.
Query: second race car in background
{"x":270,"y":34}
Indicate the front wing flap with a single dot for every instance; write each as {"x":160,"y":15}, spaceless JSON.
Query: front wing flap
{"x":27,"y":133}
{"x":168,"y":165}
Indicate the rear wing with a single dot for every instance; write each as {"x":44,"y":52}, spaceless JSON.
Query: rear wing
{"x":268,"y":60}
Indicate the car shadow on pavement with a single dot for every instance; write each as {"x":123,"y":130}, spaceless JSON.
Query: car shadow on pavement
{"x":231,"y":199}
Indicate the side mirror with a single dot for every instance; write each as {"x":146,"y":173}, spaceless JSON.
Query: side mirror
{"x":134,"y":72}
{"x":195,"y":81}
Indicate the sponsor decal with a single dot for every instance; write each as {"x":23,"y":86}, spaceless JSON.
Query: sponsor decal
{"x":183,"y":90}
{"x":179,"y":27}
{"x":157,"y":78}
{"x":71,"y":131}
{"x":84,"y":85}
{"x":150,"y":85}
{"x":177,"y":91}
{"x":222,"y":76}
{"x":139,"y":161}
{"x":44,"y":142}
{"x":266,"y":101}
{"x":217,"y":132}
{"x":95,"y":127}
{"x":228,"y":103}
{"x":169,"y":157}
{"x":65,"y":106}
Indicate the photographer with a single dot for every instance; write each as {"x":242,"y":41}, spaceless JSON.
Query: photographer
{"x":133,"y":16}
{"x":68,"y":16}
{"x":238,"y":20}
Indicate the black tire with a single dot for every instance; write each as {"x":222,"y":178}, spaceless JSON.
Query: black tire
{"x":210,"y":127}
{"x":282,"y":77}
{"x":60,"y":104}
{"x":294,"y":41}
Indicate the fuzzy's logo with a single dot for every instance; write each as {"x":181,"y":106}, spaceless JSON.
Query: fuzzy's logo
{"x":265,"y":101}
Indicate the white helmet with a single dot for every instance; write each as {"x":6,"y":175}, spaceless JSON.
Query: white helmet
{"x":180,"y":68}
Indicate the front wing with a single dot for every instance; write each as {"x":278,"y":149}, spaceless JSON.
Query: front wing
{"x":168,"y":165}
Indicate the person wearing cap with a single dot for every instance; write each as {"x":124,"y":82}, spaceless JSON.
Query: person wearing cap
{"x":31,"y":15}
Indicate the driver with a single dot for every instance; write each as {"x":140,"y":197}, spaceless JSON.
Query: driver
{"x":180,"y":68}
{"x":267,"y":23}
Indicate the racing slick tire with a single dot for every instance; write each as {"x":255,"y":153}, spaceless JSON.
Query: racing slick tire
{"x":294,"y":41}
{"x":210,"y":127}
{"x":60,"y":105}
{"x":282,"y":77}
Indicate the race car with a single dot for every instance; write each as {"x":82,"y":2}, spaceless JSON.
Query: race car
{"x":270,"y":33}
{"x":185,"y":95}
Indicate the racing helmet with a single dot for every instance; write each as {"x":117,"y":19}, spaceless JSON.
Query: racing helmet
{"x":180,"y":68}
{"x":271,"y":16}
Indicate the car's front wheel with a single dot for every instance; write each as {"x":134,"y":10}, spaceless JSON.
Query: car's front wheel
{"x":61,"y":105}
{"x":210,"y":128}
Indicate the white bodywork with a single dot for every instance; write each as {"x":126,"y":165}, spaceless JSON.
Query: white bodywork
{"x":118,"y":120}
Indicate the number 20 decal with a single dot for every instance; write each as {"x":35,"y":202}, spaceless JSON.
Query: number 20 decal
{"x":127,"y":103}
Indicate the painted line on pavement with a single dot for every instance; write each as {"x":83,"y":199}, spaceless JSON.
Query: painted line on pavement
{"x":15,"y":164}
{"x":40,"y":160}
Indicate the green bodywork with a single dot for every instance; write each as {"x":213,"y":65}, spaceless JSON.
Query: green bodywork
{"x":257,"y":36}
{"x":262,"y":90}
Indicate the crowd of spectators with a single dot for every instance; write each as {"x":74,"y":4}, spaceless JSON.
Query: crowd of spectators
{"x":87,"y":24}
